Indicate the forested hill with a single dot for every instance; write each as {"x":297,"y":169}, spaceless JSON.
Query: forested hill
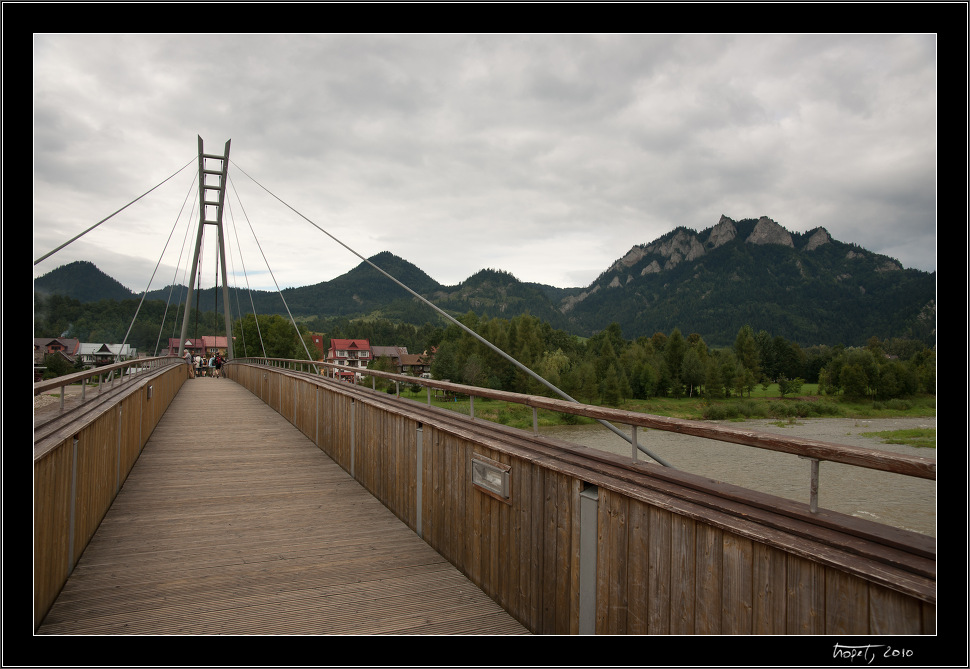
{"x":82,"y":281}
{"x":807,"y":288}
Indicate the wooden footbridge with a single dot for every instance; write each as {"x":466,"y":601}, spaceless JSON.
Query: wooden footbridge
{"x":279,"y":501}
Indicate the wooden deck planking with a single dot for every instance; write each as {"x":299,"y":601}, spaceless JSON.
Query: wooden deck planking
{"x":233,"y":522}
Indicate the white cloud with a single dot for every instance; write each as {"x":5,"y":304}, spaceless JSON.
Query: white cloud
{"x":545,"y":156}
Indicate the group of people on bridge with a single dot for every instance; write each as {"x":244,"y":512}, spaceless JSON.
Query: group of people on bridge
{"x":198,"y":365}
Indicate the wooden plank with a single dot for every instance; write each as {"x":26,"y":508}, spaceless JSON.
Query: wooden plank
{"x":537,"y":548}
{"x":564,"y":554}
{"x":709,"y":575}
{"x":769,"y":583}
{"x":575,"y":531}
{"x":682,"y":575}
{"x":737,"y":604}
{"x":638,"y":560}
{"x":244,"y":526}
{"x":548,"y":572}
{"x":659,"y":565}
{"x":616,"y":569}
{"x":806,"y":596}
{"x":846,"y":604}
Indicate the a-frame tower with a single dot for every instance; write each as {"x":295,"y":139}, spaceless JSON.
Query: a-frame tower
{"x":210,"y":180}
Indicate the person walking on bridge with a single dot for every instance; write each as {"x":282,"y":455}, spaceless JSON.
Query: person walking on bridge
{"x":187,"y":356}
{"x":212,"y":366}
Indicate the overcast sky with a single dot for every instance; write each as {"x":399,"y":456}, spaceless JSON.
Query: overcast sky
{"x":548,"y":156}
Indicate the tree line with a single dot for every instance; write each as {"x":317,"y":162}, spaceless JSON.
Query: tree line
{"x":605,"y":368}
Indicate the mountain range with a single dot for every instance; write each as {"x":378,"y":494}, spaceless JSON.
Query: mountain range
{"x":806,"y":287}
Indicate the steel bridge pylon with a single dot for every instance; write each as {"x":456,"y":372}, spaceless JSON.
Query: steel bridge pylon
{"x":218,"y":184}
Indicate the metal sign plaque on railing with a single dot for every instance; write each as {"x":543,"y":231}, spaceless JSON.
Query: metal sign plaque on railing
{"x":491,"y":476}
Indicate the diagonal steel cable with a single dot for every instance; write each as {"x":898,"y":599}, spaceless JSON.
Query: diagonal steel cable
{"x":455,"y":321}
{"x":74,"y":239}
{"x":270,"y":269}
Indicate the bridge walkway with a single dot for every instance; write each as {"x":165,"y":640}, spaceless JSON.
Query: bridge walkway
{"x":233,"y":522}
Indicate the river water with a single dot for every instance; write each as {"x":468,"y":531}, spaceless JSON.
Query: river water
{"x":891,"y":499}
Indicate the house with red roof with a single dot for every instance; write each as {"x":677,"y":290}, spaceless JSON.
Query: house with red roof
{"x":204,"y":346}
{"x":351,"y":353}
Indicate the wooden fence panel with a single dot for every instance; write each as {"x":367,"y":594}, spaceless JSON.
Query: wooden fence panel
{"x":682,"y":577}
{"x":769,"y":584}
{"x":659,"y":564}
{"x":894,"y":613}
{"x":805,"y":612}
{"x":665,"y":565}
{"x":96,"y":466}
{"x":737,"y":567}
{"x":74,"y":486}
{"x":53,"y":475}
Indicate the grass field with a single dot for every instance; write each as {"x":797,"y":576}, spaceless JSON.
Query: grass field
{"x":915,"y":438}
{"x":763,"y":403}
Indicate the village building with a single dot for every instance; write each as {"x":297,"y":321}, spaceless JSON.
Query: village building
{"x":105,"y":354}
{"x":393,"y":353}
{"x":352,"y":353}
{"x":318,"y":343}
{"x":416,"y":364}
{"x":61,"y":346}
{"x":45,"y":345}
{"x":205,"y":346}
{"x":73,"y":351}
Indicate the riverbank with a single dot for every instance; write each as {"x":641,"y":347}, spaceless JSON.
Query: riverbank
{"x":892,"y":499}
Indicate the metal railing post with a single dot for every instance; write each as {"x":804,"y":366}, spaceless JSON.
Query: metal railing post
{"x":588,"y":540}
{"x":419,"y":468}
{"x":813,"y":483}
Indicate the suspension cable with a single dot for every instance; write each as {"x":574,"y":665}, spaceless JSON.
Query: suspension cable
{"x":198,"y":282}
{"x":155,"y":271}
{"x":249,"y":290}
{"x":285,"y":305}
{"x":178,"y":266}
{"x":452,"y":319}
{"x":232,"y":264}
{"x":70,"y":241}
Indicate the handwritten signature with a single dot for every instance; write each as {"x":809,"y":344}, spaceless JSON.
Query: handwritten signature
{"x":869,"y":652}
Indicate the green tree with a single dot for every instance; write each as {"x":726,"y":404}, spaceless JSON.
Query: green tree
{"x":445,"y":363}
{"x":674,"y":353}
{"x":746,"y":351}
{"x":854,"y":381}
{"x":610,"y":389}
{"x":57,"y":365}
{"x":271,"y":337}
{"x":383,"y":364}
{"x":713,"y":379}
{"x":789,"y":386}
{"x":553,"y":366}
{"x":692,"y":371}
{"x":473,"y":371}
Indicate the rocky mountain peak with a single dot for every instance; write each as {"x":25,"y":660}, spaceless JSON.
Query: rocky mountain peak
{"x":682,"y":245}
{"x":819,"y":237}
{"x":722,"y":233}
{"x":766,"y":231}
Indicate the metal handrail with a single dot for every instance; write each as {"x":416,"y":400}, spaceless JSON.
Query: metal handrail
{"x":811,"y":449}
{"x":106,"y":375}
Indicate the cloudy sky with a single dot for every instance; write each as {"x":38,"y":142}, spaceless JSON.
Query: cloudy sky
{"x":548,"y":156}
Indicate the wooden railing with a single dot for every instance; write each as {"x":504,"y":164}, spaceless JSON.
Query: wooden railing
{"x":570,"y":540}
{"x":898,"y":463}
{"x":83,"y":452}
